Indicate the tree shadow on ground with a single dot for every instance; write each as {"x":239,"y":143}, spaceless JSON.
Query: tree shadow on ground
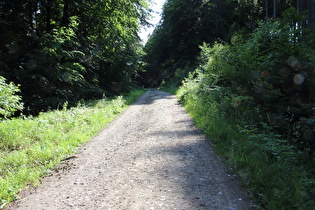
{"x":201,"y":178}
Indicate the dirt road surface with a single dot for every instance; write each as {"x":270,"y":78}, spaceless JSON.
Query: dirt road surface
{"x":151,"y":157}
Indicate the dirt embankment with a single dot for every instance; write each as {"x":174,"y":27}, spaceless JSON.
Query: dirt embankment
{"x":150,"y":157}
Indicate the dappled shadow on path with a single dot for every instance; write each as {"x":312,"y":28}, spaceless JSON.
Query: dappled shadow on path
{"x":150,"y":97}
{"x":180,"y":159}
{"x":196,"y":174}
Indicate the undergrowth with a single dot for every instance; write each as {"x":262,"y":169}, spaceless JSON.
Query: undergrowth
{"x":279,"y":177}
{"x":31,"y":146}
{"x":254,"y":98}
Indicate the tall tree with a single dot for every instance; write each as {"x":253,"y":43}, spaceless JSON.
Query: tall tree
{"x":274,"y":9}
{"x":174,"y":45}
{"x":70,"y":49}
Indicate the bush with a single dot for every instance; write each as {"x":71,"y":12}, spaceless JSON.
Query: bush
{"x":254,"y":99}
{"x":273,"y":73}
{"x":9,"y":101}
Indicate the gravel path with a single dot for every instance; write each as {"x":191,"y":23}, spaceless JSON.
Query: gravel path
{"x":150,"y":157}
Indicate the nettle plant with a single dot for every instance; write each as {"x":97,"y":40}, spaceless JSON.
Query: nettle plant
{"x":10,"y":102}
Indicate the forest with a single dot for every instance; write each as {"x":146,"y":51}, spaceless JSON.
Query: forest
{"x":244,"y":70}
{"x":69,"y":50}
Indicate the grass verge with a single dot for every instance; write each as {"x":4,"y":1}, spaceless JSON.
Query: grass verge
{"x":30,"y":147}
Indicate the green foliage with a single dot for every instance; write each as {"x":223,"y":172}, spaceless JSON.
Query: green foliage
{"x":254,"y":98}
{"x":185,"y":25}
{"x":271,"y":70}
{"x":172,"y":49}
{"x":278,"y":175}
{"x":70,"y":50}
{"x":9,"y":100}
{"x":31,"y":147}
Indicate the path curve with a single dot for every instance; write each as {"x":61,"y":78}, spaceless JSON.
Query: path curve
{"x":150,"y":157}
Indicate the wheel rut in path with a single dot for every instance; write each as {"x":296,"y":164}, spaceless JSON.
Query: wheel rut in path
{"x":150,"y":157}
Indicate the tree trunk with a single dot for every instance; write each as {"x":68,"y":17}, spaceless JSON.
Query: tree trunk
{"x":216,"y":17}
{"x":48,"y":17}
{"x":267,"y":13}
{"x":65,"y":16}
{"x":31,"y":16}
{"x":274,"y":9}
{"x":311,"y":14}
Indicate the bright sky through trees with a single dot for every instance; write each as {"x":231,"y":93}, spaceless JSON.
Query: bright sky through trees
{"x":157,"y":7}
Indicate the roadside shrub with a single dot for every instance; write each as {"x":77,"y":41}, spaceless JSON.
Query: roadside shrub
{"x":9,"y":100}
{"x":273,"y":73}
{"x":255,"y":100}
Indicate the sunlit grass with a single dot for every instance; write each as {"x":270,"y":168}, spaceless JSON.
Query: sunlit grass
{"x":30,"y":147}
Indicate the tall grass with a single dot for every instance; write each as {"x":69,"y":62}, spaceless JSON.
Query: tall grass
{"x":30,"y":147}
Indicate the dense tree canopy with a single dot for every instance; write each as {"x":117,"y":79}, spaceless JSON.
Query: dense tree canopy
{"x":174,"y":45}
{"x":70,"y":49}
{"x":173,"y":48}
